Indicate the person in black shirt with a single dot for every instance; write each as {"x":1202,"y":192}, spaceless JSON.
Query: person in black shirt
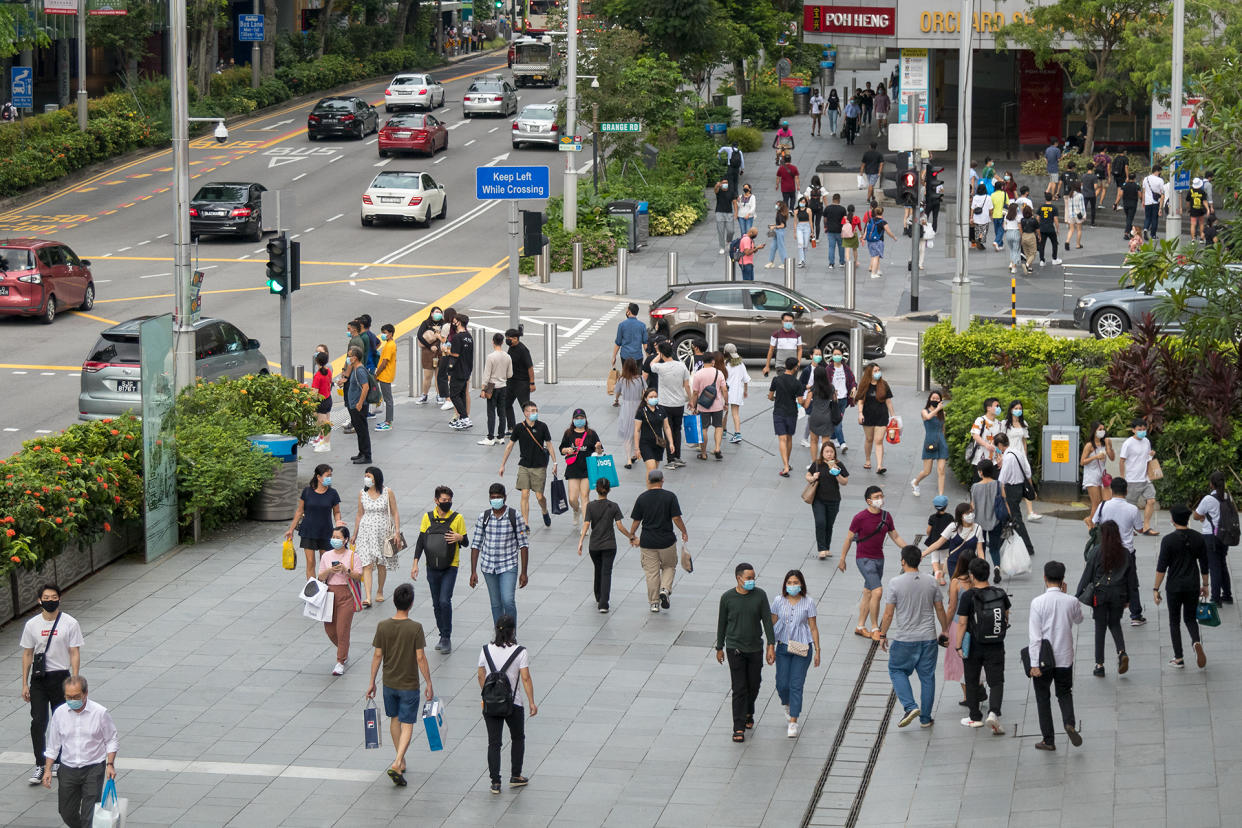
{"x":577,"y":443}
{"x":1048,"y":228}
{"x":1183,"y":562}
{"x":534,"y":450}
{"x":834,"y":215}
{"x":1129,"y":194}
{"x":980,"y":657}
{"x":657,"y":510}
{"x":785,"y":391}
{"x":601,"y":515}
{"x":829,"y":474}
{"x":724,"y":214}
{"x":1119,"y":167}
{"x":461,"y":363}
{"x":872,"y":165}
{"x":522,"y":381}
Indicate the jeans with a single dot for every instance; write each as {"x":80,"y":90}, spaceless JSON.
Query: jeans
{"x":988,"y":659}
{"x":1089,"y":202}
{"x":745,"y":673}
{"x":1013,"y":496}
{"x":1046,"y":236}
{"x":802,"y":233}
{"x":79,"y":791}
{"x":1063,"y":678}
{"x":603,"y":560}
{"x":904,"y":658}
{"x":386,"y":393}
{"x":440,"y":583}
{"x":743,"y":226}
{"x":674,"y":424}
{"x":996,"y":536}
{"x":1130,"y":210}
{"x":998,"y":230}
{"x":46,"y":694}
{"x":791,"y":677}
{"x":1151,"y":219}
{"x":1013,"y":243}
{"x":1183,"y":604}
{"x":836,"y":250}
{"x":516,"y":721}
{"x":1218,"y":568}
{"x":778,"y":246}
{"x":501,"y":588}
{"x":748,"y":272}
{"x":358,"y":419}
{"x":1107,"y":618}
{"x":838,"y":430}
{"x":457,"y":393}
{"x":496,"y":406}
{"x":833,"y":115}
{"x":825,"y":512}
{"x":724,"y":229}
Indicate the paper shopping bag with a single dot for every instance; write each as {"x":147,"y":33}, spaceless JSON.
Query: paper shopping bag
{"x":612,"y":381}
{"x":370,"y":726}
{"x":433,"y":723}
{"x":602,"y":465}
{"x":288,"y":559}
{"x":687,"y":561}
{"x":314,"y":591}
{"x":692,"y":427}
{"x":110,"y":811}
{"x":323,"y":612}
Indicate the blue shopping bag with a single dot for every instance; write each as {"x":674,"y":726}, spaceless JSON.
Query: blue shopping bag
{"x":370,"y":726}
{"x":1207,"y":614}
{"x":692,"y":427}
{"x":602,"y":465}
{"x":433,"y":723}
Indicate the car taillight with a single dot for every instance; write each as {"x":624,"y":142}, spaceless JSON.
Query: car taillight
{"x":660,"y":313}
{"x":555,"y":128}
{"x":387,"y":91}
{"x":92,"y":367}
{"x":366,"y":199}
{"x":419,"y":134}
{"x":193,"y":211}
{"x":497,"y":98}
{"x":347,"y":117}
{"x":31,"y":278}
{"x":314,"y":119}
{"x":422,"y":91}
{"x":239,"y":212}
{"x":415,"y":201}
{"x":515,"y":126}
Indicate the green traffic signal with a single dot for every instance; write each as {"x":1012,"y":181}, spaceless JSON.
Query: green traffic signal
{"x":278,"y":264}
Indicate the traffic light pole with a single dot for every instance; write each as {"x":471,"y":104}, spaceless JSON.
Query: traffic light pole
{"x":915,"y":227}
{"x":286,"y":309}
{"x":514,"y":313}
{"x":569,"y":213}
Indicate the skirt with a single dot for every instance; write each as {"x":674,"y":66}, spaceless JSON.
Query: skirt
{"x":936,"y":448}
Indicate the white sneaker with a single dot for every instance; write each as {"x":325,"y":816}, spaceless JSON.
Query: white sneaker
{"x":339,"y":669}
{"x":993,"y":722}
{"x":910,"y":716}
{"x":914,"y":486}
{"x":486,"y":441}
{"x":447,"y":405}
{"x":1034,"y":518}
{"x":806,"y":443}
{"x":655,"y":606}
{"x":421,"y":400}
{"x":792,"y":731}
{"x":969,"y":722}
{"x":36,"y":775}
{"x":1042,"y":263}
{"x":1056,"y":261}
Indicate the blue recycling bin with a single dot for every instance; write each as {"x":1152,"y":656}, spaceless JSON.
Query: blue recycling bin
{"x":278,"y":499}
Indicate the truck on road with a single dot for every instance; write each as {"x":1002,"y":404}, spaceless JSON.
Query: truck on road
{"x":536,"y":62}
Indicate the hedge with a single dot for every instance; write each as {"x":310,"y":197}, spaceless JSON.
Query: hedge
{"x":948,"y":353}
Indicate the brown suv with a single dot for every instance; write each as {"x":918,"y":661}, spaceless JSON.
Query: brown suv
{"x":749,"y":312}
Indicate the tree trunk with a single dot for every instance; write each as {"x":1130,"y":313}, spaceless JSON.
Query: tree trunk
{"x":739,"y":76}
{"x":267,"y":49}
{"x":325,"y":20}
{"x":403,"y":19}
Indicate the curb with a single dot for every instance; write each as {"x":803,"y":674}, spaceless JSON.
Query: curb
{"x":1059,"y":323}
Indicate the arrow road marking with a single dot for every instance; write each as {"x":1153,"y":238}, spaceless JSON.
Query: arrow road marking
{"x":277,"y":124}
{"x":281,"y":160}
{"x":496,"y":160}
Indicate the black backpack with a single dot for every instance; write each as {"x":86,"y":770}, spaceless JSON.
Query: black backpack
{"x":512,"y":515}
{"x":735,"y":160}
{"x":988,"y":616}
{"x":1110,"y":586}
{"x":439,"y":551}
{"x":497,"y":689}
{"x":1229,"y":532}
{"x":735,"y":250}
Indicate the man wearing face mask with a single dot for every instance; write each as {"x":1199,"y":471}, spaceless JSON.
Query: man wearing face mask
{"x":51,"y":652}
{"x":386,"y":372}
{"x":534,"y":442}
{"x":441,"y":535}
{"x":461,"y":364}
{"x":913,"y":607}
{"x":500,"y":551}
{"x":785,"y":342}
{"x":982,"y":433}
{"x":356,"y":389}
{"x":83,"y":735}
{"x":1136,"y":455}
{"x":428,"y":338}
{"x":742,"y":623}
{"x":869,"y":528}
{"x":724,"y":213}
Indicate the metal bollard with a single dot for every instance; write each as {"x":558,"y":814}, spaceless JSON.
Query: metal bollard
{"x":414,"y":374}
{"x":481,"y":350}
{"x":856,"y":350}
{"x":623,"y":271}
{"x":300,"y":373}
{"x":851,"y":284}
{"x":713,"y":336}
{"x":672,"y":268}
{"x":729,"y":270}
{"x":923,"y":376}
{"x":790,"y":278}
{"x":576,"y":284}
{"x":549,"y":353}
{"x":547,"y":264}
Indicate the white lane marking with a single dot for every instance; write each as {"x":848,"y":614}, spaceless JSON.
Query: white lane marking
{"x":47,"y":373}
{"x":337,"y":216}
{"x":11,"y":429}
{"x":584,"y":168}
{"x":383,"y":163}
{"x":270,"y":127}
{"x":153,"y":275}
{"x":141,"y":243}
{"x":493,"y":129}
{"x":102,"y":281}
{"x":496,"y":160}
{"x":308,"y":229}
{"x":468,"y":143}
{"x":459,"y":123}
{"x":335,"y":158}
{"x":299,"y":177}
{"x":296,"y":236}
{"x":372,"y":141}
{"x":43,"y":431}
{"x":123,"y":249}
{"x":466,"y":217}
{"x":260,"y":250}
{"x":19,"y":372}
{"x":229,"y":768}
{"x":438,"y":160}
{"x":281,"y":160}
{"x":352,"y":275}
{"x":367,"y":292}
{"x":411,"y":301}
{"x":162,"y":236}
{"x":212,"y":267}
{"x":247,"y":256}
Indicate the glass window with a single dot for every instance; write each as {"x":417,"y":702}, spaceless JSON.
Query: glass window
{"x":770,"y":300}
{"x":70,"y":258}
{"x":208,"y":342}
{"x":234,"y":341}
{"x":428,"y":182}
{"x":722,"y":298}
{"x":16,"y":258}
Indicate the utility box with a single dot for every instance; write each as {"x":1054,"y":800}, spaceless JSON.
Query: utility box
{"x":642,"y":225}
{"x":627,"y":211}
{"x":1063,"y":405}
{"x":1060,"y":445}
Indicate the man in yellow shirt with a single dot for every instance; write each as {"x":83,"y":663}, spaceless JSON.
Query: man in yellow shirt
{"x":386,"y":372}
{"x":1000,"y":200}
{"x":441,"y":535}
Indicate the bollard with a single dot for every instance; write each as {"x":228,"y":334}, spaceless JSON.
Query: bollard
{"x":729,"y":270}
{"x":713,"y":336}
{"x":576,"y":284}
{"x":856,"y":350}
{"x":546,"y":276}
{"x":922,"y":377}
{"x":301,"y":373}
{"x":851,"y":284}
{"x":479,"y":335}
{"x":790,"y":278}
{"x":549,"y":353}
{"x":415,"y":375}
{"x":672,"y":268}
{"x":1013,"y":302}
{"x":623,"y":271}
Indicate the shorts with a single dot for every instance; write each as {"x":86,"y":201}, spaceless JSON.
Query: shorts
{"x":1197,"y":213}
{"x":402,"y":705}
{"x":1119,"y":180}
{"x":872,"y":570}
{"x":1140,"y":493}
{"x":533,"y":479}
{"x":876,"y":248}
{"x":650,"y":451}
{"x":1073,"y":218}
{"x":317,"y":544}
{"x":1053,"y":178}
{"x":711,"y":419}
{"x":428,"y":358}
{"x":784,"y":424}
{"x":325,"y":406}
{"x":873,"y":180}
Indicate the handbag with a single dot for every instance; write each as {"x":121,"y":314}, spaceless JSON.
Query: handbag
{"x":394,"y":545}
{"x":798,"y":648}
{"x":38,"y":663}
{"x":687,"y":561}
{"x":1207,"y":614}
{"x":1028,"y":488}
{"x":862,"y":181}
{"x":1106,"y":480}
{"x":692,"y":428}
{"x":659,"y":437}
{"x":602,"y":466}
{"x":808,"y":493}
{"x":1047,"y":661}
{"x":612,"y":380}
{"x":110,"y":811}
{"x":556,"y":494}
{"x":288,"y":559}
{"x":892,"y":435}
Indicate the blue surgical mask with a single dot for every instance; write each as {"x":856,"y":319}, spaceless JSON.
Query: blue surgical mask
{"x":337,"y":543}
{"x":326,"y":480}
{"x":579,"y":422}
{"x":788,"y":326}
{"x":497,"y":502}
{"x":383,"y":337}
{"x":533,"y":416}
{"x":1017,"y":412}
{"x":792,"y":589}
{"x":748,"y":585}
{"x":817,"y":359}
{"x":437,"y":317}
{"x":75,"y":704}
{"x":837,"y":357}
{"x":834,"y":472}
{"x":1141,"y":433}
{"x":877,"y":374}
{"x":653,"y":401}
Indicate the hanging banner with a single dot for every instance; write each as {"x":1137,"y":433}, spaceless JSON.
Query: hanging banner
{"x":110,"y":8}
{"x":60,"y":6}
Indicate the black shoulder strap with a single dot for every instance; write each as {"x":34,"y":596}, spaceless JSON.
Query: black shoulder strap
{"x":52,"y":633}
{"x":491,"y":665}
{"x":509,"y":662}
{"x":878,"y":528}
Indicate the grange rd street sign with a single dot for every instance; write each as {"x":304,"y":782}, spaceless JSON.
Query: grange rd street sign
{"x":621,"y":126}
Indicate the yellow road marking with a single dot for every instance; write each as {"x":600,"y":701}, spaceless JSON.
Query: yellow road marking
{"x":41,"y":367}
{"x":96,"y":318}
{"x":455,"y":268}
{"x":304,"y":284}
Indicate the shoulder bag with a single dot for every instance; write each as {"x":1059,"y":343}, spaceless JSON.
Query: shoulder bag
{"x":38,"y":664}
{"x":808,"y":493}
{"x":1028,"y":488}
{"x":707,"y":397}
{"x":659,"y":438}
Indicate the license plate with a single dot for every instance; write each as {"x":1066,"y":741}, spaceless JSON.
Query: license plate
{"x":216,"y":213}
{"x":401,"y":135}
{"x":400,"y":92}
{"x":389,"y":200}
{"x":127,"y":386}
{"x":538,"y":77}
{"x":4,"y":291}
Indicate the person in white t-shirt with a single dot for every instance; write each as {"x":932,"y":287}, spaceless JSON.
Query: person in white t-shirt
{"x":674,"y":394}
{"x":1136,"y":453}
{"x":55,"y":636}
{"x":1153,"y":201}
{"x":1208,"y":511}
{"x":507,"y":656}
{"x":982,"y":433}
{"x":1019,"y":434}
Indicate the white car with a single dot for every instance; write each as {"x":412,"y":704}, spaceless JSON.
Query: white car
{"x":404,"y":195}
{"x":414,"y":91}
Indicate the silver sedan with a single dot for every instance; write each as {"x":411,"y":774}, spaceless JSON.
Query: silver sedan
{"x":536,"y":125}
{"x":489,"y":97}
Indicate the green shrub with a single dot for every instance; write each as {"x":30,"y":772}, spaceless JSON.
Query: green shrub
{"x":1188,"y":454}
{"x":766,"y":105}
{"x":947,"y":353}
{"x":285,"y":405}
{"x":218,"y":468}
{"x":748,"y":139}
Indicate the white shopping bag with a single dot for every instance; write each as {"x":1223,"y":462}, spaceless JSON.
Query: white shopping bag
{"x":1014,"y":560}
{"x":862,"y":181}
{"x":323,"y":612}
{"x":314,"y":591}
{"x":110,"y":811}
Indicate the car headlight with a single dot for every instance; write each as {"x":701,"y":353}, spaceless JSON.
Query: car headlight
{"x":868,"y":325}
{"x":1086,"y":302}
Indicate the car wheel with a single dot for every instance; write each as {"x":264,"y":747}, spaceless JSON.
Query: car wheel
{"x":383,"y":153}
{"x":310,"y":136}
{"x":683,"y":347}
{"x":257,"y":233}
{"x":362,"y":131}
{"x":1109,"y":323}
{"x":443,"y":214}
{"x":49,"y":313}
{"x":88,"y":299}
{"x":835,"y":340}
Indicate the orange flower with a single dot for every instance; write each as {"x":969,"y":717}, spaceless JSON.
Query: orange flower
{"x":15,"y":559}
{"x":39,"y":506}
{"x":243,"y":390}
{"x":35,"y":448}
{"x":107,"y":526}
{"x":117,"y":498}
{"x":10,"y":532}
{"x":60,"y":520}
{"x":115,"y":431}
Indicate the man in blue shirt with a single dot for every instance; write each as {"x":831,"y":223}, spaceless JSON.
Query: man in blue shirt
{"x":631,"y":336}
{"x":1052,"y":155}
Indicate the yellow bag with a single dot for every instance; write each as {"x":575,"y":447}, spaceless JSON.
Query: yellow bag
{"x":287,"y":558}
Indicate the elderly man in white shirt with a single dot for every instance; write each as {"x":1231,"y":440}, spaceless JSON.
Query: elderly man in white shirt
{"x":1053,"y":616}
{"x":83,"y":735}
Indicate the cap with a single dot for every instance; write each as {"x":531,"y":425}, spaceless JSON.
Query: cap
{"x":655,"y":476}
{"x":940,"y":501}
{"x":578,"y":412}
{"x":730,"y":349}
{"x":1197,"y":183}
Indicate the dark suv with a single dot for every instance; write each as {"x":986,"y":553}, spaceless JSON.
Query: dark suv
{"x":342,"y":116}
{"x":747,"y":314}
{"x":38,"y":277}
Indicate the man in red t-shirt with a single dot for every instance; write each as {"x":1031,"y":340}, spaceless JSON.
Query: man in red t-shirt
{"x":748,"y":248}
{"x":869,"y":527}
{"x":788,"y":183}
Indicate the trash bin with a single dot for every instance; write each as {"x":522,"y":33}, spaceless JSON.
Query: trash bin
{"x":278,"y":499}
{"x":642,"y":225}
{"x":802,"y":99}
{"x":626,"y":210}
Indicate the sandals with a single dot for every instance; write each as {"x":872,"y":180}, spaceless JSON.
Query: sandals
{"x":784,"y":473}
{"x":1150,"y":532}
{"x":702,"y":455}
{"x":717,"y":455}
{"x":867,"y":466}
{"x":379,"y":599}
{"x":750,"y":722}
{"x":739,"y":735}
{"x":881,"y":470}
{"x":861,"y":632}
{"x":366,"y":604}
{"x":823,"y":554}
{"x":875,"y":633}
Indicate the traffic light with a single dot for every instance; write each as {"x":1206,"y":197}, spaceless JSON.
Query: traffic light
{"x":533,"y":238}
{"x":908,"y":188}
{"x":278,"y":270}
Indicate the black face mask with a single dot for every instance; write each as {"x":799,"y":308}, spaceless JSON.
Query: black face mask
{"x":50,"y":606}
{"x":446,"y":506}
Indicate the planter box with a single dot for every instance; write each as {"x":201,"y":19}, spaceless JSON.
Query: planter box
{"x":7,"y":612}
{"x":123,"y":539}
{"x":72,"y":565}
{"x":28,"y":584}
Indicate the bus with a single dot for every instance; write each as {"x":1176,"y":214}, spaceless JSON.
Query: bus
{"x":536,"y":15}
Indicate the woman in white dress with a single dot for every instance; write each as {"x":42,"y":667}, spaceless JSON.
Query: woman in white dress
{"x":628,"y":396}
{"x":375,"y":524}
{"x":1018,"y":433}
{"x":1095,"y":454}
{"x":738,"y":380}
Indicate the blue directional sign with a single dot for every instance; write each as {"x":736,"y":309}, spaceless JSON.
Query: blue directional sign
{"x":505,"y":183}
{"x":250,"y":28}
{"x":21,"y":87}
{"x":1181,"y":177}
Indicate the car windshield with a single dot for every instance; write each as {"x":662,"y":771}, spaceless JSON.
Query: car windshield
{"x":16,"y":258}
{"x":538,"y":113}
{"x":406,"y":121}
{"x":220,"y":193}
{"x":409,"y":80}
{"x":395,"y":181}
{"x":335,"y":106}
{"x":486,"y":86}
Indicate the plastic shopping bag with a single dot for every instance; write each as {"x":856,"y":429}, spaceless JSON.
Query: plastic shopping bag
{"x":1014,"y":560}
{"x":862,"y":181}
{"x":602,"y":465}
{"x":110,"y":811}
{"x":288,"y":559}
{"x":370,"y":726}
{"x":433,"y":723}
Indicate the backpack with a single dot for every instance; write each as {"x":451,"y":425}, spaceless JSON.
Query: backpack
{"x":874,"y":231}
{"x":735,"y":250}
{"x":497,"y":690}
{"x":1109,"y":586}
{"x":817,"y":195}
{"x":1229,"y":531}
{"x":988,"y":618}
{"x":439,"y":551}
{"x":735,"y":160}
{"x":512,"y":515}
{"x":374,"y":397}
{"x":847,"y":228}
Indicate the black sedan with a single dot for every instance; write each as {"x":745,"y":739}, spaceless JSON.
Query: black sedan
{"x":228,"y":208}
{"x":344,"y":115}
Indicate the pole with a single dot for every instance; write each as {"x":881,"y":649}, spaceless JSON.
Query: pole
{"x":183,"y":330}
{"x":921,"y":379}
{"x":851,"y":284}
{"x":856,"y":350}
{"x":569,"y":221}
{"x":595,"y":147}
{"x":576,"y":278}
{"x":1173,"y":225}
{"x":514,"y":311}
{"x":410,"y":364}
{"x":713,"y":336}
{"x":623,"y":271}
{"x":672,"y":268}
{"x":82,"y":64}
{"x":286,"y":334}
{"x":965,"y":101}
{"x":549,"y":353}
{"x":915,"y":227}
{"x":545,"y":263}
{"x":254,"y":53}
{"x":790,"y":274}
{"x":728,"y":269}
{"x":1013,"y":302}
{"x":481,"y":349}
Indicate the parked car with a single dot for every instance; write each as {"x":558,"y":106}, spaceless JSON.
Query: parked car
{"x":38,"y":277}
{"x":406,"y":195}
{"x":1110,"y":313}
{"x":489,"y":97}
{"x":409,"y":90}
{"x":112,"y":373}
{"x":344,"y":115}
{"x":536,"y":125}
{"x":748,"y":312}
{"x":413,"y":133}
{"x":228,"y":208}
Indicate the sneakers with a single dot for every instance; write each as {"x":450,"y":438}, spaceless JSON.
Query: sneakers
{"x":844,"y":448}
{"x":348,"y":429}
{"x":446,"y":646}
{"x":1177,"y":663}
{"x":1045,"y":746}
{"x":486,"y":441}
{"x":721,"y":252}
{"x":1034,"y":518}
{"x":805,"y":443}
{"x":1072,"y":732}
{"x":547,"y":519}
{"x":36,"y":775}
{"x":440,"y":644}
{"x":1200,"y":660}
{"x":914,"y":487}
{"x":792,"y":730}
{"x":664,"y":598}
{"x":736,"y":438}
{"x":421,"y":400}
{"x":1138,"y":622}
{"x":1042,"y":263}
{"x":1123,"y":664}
{"x":384,"y":427}
{"x":671,"y":465}
{"x":996,"y":575}
{"x":1098,"y":672}
{"x":518,"y":781}
{"x":911,"y":715}
{"x":446,"y":405}
{"x":339,"y":669}
{"x":655,"y":606}
{"x":969,"y":722}
{"x":994,"y":722}
{"x":603,"y":609}
{"x":496,"y":788}
{"x":927,"y":723}
{"x":1056,"y":261}
{"x":460,"y":423}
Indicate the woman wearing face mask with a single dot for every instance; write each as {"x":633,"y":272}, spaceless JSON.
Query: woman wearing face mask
{"x":1018,"y":432}
{"x":844,"y":385}
{"x":935,"y":447}
{"x":651,"y":430}
{"x":1012,"y":224}
{"x":319,"y":509}
{"x":958,"y":583}
{"x":777,"y":231}
{"x":376,"y":523}
{"x":802,"y":228}
{"x":338,"y":566}
{"x":744,"y":209}
{"x":850,"y":227}
{"x":961,"y":536}
{"x":876,"y":411}
{"x":828,"y":474}
{"x":322,"y":382}
{"x":578,"y":441}
{"x":823,"y":416}
{"x":629,"y":396}
{"x":834,"y":111}
{"x":428,"y":338}
{"x":1096,"y":452}
{"x":797,"y":636}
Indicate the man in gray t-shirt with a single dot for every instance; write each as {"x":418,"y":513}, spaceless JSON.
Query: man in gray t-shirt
{"x":914,"y":600}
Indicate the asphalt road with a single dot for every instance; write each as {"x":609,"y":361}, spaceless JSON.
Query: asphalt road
{"x":120,"y":221}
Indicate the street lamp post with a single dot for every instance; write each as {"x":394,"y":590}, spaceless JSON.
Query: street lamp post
{"x":960,"y":292}
{"x":569,"y":217}
{"x":1173,"y":224}
{"x":82,"y":65}
{"x":183,"y":330}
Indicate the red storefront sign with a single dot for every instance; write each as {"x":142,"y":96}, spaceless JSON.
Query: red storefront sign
{"x":864,"y":20}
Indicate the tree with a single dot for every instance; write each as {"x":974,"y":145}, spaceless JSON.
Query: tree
{"x":203,"y":19}
{"x":683,"y":29}
{"x":16,"y":31}
{"x":127,"y":34}
{"x":267,"y":49}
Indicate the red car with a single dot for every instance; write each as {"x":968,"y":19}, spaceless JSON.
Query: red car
{"x":38,"y":277}
{"x":413,"y":133}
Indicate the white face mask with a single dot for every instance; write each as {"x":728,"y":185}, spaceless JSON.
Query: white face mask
{"x":368,"y":482}
{"x":1101,"y":434}
{"x":969,"y":517}
{"x":878,"y":503}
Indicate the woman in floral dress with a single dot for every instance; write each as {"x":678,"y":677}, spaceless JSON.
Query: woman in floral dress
{"x":377,"y":521}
